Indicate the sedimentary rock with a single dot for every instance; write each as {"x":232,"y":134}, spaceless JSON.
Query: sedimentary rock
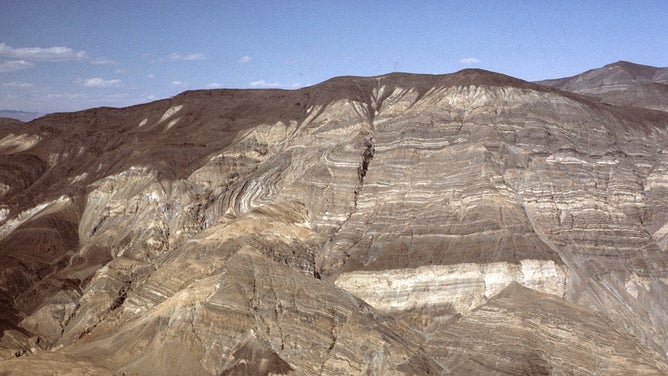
{"x":400,"y":224}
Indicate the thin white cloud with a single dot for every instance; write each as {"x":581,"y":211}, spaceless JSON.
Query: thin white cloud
{"x":150,"y":76}
{"x":186,"y":57}
{"x":102,"y":61}
{"x":263,"y":83}
{"x":18,"y":84}
{"x":14,"y":65}
{"x":245,"y":59}
{"x":51,"y":54}
{"x":469,"y":60}
{"x":214,"y":85}
{"x":179,"y":83}
{"x":100,"y":82}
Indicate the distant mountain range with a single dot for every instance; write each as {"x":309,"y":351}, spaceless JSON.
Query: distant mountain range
{"x":20,"y":115}
{"x":620,"y":83}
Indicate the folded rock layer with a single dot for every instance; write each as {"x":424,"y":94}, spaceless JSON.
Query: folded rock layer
{"x":469,"y":223}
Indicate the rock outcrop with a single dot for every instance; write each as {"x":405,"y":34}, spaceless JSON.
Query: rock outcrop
{"x":469,"y":223}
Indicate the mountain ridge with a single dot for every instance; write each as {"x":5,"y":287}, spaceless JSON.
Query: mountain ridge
{"x":358,"y":225}
{"x":20,"y":115}
{"x":620,"y":83}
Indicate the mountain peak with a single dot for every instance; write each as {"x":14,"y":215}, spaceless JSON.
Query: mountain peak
{"x":638,"y":71}
{"x":620,"y":83}
{"x":469,"y":76}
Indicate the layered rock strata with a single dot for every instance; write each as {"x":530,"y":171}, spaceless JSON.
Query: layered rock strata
{"x":401,"y":224}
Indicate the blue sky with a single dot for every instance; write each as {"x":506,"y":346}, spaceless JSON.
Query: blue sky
{"x":71,"y":55}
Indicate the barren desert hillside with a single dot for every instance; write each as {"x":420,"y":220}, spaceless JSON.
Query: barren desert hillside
{"x":468,"y":223}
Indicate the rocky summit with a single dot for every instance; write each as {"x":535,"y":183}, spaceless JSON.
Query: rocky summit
{"x":469,"y":223}
{"x":620,"y":83}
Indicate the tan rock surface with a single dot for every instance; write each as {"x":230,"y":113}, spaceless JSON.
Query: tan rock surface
{"x":548,"y":334}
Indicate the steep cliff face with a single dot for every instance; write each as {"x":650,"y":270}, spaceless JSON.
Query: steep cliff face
{"x":401,"y":224}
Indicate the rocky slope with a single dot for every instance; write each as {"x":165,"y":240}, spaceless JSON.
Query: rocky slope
{"x":620,"y":83}
{"x":469,"y":223}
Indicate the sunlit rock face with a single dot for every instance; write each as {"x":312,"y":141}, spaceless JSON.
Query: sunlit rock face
{"x":462,"y":287}
{"x":404,"y":224}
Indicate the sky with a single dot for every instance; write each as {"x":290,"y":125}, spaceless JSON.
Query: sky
{"x":68,"y":55}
